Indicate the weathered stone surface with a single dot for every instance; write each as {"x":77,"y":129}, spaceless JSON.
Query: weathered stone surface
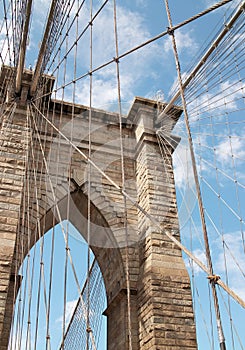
{"x":161,"y":306}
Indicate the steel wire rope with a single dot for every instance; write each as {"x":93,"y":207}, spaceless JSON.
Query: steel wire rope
{"x":234,"y":122}
{"x":22,"y":231}
{"x":217,"y":179}
{"x":223,"y":173}
{"x":57,"y":32}
{"x":51,"y":262}
{"x":7,"y":28}
{"x":217,"y":106}
{"x":38,"y":186}
{"x":28,"y":260}
{"x":64,"y":232}
{"x":122,"y":161}
{"x":210,"y":75}
{"x":56,"y":155}
{"x":211,"y":315}
{"x":71,"y":321}
{"x":76,"y":16}
{"x":76,"y":330}
{"x":18,"y":296}
{"x":16,"y":43}
{"x":55,"y":201}
{"x":231,"y":146}
{"x":203,"y":317}
{"x":209,"y":51}
{"x":88,"y":325}
{"x":209,"y":41}
{"x":200,"y":303}
{"x":41,"y":279}
{"x":231,"y":319}
{"x":44,"y":131}
{"x":223,"y":152}
{"x":233,"y":136}
{"x":214,"y":84}
{"x":200,"y":203}
{"x":209,"y":288}
{"x":13,"y":29}
{"x":191,"y":263}
{"x":31,"y":276}
{"x":44,"y":128}
{"x":221,"y":50}
{"x":6,"y":42}
{"x":226,"y":244}
{"x":78,"y":38}
{"x":223,"y":200}
{"x":145,"y":43}
{"x":67,"y":225}
{"x":70,"y":149}
{"x":235,"y":181}
{"x":229,"y":74}
{"x":180,"y":191}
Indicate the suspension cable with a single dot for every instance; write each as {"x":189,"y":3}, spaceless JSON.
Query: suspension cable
{"x":199,"y":197}
{"x":149,"y":216}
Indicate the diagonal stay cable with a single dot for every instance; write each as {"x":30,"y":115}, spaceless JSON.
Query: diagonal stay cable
{"x":140,"y":46}
{"x":223,"y":200}
{"x":58,"y":210}
{"x":149,"y":216}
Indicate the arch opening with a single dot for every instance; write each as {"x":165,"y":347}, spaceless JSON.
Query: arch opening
{"x":47,"y":307}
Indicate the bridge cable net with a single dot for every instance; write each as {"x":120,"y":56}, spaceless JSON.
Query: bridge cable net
{"x":215,"y":106}
{"x":215,"y":99}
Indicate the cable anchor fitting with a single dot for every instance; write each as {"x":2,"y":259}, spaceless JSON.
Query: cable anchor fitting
{"x":170,"y":31}
{"x":89,"y":330}
{"x":213,"y":278}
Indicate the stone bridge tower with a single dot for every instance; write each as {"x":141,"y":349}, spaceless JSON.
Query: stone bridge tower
{"x":161,"y":304}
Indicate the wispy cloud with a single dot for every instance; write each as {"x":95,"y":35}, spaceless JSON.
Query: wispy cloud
{"x":226,"y":261}
{"x":185,"y":40}
{"x":230,"y":148}
{"x":70,"y":307}
{"x":134,"y":68}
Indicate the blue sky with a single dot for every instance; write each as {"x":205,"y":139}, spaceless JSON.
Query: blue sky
{"x":145,"y":73}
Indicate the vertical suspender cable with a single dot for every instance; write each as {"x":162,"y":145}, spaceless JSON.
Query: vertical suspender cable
{"x":89,"y":334}
{"x":123,"y":183}
{"x":38,"y":68}
{"x":199,"y":197}
{"x":22,"y":53}
{"x":205,"y":57}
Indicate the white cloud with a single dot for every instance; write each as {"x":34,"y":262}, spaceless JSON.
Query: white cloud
{"x":201,"y":256}
{"x":224,"y":97}
{"x":230,"y":261}
{"x":134,"y":68}
{"x":236,"y":280}
{"x":226,"y":150}
{"x":232,"y":4}
{"x":70,"y":307}
{"x":182,"y":166}
{"x":6,"y":51}
{"x":184,"y":41}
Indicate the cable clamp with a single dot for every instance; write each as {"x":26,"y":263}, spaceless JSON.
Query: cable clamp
{"x":89,"y":330}
{"x":213,"y":278}
{"x":170,"y":31}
